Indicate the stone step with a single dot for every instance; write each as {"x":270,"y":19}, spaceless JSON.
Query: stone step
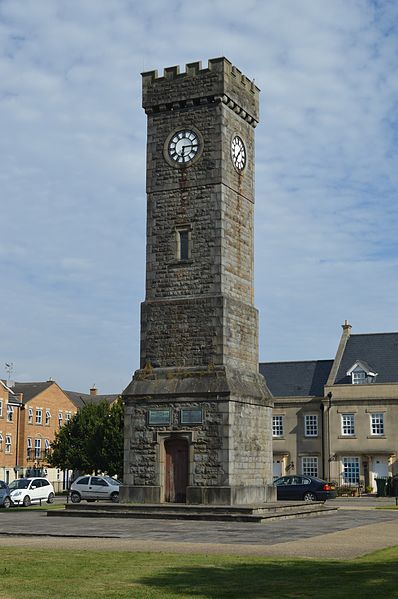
{"x":194,"y":512}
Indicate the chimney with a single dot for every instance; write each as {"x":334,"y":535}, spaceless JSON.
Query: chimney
{"x":93,"y":390}
{"x":346,"y":327}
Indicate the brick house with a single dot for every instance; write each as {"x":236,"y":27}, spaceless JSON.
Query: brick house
{"x":32,"y":413}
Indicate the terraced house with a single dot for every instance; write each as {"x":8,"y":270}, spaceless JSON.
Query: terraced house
{"x":338,"y":419}
{"x":30,"y":415}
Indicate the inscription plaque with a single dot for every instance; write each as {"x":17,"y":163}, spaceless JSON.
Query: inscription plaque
{"x":159,"y":417}
{"x":191,"y":416}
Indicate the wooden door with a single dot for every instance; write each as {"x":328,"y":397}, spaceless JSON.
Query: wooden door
{"x":176,"y":470}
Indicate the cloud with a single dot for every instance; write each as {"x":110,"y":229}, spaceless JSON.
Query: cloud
{"x":72,"y":174}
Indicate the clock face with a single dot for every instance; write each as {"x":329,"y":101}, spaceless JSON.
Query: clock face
{"x":183,"y":146}
{"x":238,"y":153}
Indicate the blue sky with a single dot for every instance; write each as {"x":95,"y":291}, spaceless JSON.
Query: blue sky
{"x":72,"y":172}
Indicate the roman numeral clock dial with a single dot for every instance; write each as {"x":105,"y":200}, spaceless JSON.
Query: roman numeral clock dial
{"x":183,"y":146}
{"x":238,"y":153}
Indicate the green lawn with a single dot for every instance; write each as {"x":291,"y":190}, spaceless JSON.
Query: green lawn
{"x":30,"y":574}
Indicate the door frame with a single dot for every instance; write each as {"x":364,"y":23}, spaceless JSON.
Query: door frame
{"x":162,"y":437}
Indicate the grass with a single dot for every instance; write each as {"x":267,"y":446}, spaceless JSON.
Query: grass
{"x":29,"y":574}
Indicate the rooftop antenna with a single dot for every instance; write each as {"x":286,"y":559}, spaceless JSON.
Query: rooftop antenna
{"x":9,"y":369}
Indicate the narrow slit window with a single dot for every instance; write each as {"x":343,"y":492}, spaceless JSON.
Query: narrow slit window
{"x":183,"y":239}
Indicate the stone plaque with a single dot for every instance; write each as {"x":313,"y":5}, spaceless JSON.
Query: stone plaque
{"x":191,"y":416}
{"x":159,"y":417}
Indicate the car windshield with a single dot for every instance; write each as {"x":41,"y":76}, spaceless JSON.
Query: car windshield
{"x":112,"y":481}
{"x":21,"y":483}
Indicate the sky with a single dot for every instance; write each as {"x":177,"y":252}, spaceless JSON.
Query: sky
{"x":72,"y":173}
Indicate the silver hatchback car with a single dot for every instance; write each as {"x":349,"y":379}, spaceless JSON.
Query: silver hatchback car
{"x":93,"y":488}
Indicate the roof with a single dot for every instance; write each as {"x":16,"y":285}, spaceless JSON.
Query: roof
{"x":378,"y":350}
{"x":296,"y":379}
{"x":82,"y":399}
{"x":30,"y":390}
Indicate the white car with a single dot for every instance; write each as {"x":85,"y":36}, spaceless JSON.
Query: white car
{"x":93,"y":488}
{"x":24,"y":491}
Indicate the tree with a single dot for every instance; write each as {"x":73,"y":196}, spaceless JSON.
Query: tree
{"x":92,"y":440}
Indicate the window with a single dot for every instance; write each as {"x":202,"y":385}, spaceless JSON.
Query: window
{"x":29,"y":448}
{"x":358,"y":377}
{"x":277,"y":426}
{"x":350,"y":471}
{"x":310,"y":425}
{"x":1,"y":441}
{"x":377,"y":424}
{"x":60,"y":418}
{"x":46,"y":447}
{"x":309,"y":465}
{"x":48,"y":416}
{"x":10,"y":413}
{"x":347,"y":425}
{"x":30,"y":416}
{"x":183,"y":244}
{"x":39,"y":416}
{"x":37,"y":448}
{"x":68,"y":416}
{"x":1,"y":408}
{"x":8,"y":444}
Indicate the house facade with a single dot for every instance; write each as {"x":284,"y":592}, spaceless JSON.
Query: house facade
{"x":338,"y":419}
{"x":31,"y":415}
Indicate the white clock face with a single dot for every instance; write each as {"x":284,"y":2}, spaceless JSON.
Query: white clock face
{"x":238,"y":153}
{"x":183,"y":146}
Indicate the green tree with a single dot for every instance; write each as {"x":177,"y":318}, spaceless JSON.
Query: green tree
{"x":92,"y":440}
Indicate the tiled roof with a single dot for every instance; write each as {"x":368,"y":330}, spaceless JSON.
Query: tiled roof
{"x":379,"y":350}
{"x":296,"y":379}
{"x":82,"y":399}
{"x":30,"y":390}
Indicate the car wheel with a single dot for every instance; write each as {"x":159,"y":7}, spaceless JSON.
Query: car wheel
{"x":6,"y":502}
{"x":309,"y":496}
{"x":26,"y":501}
{"x":115,"y":497}
{"x":50,"y":498}
{"x":75,"y":497}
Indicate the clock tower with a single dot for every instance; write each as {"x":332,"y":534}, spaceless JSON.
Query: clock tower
{"x":197,"y":412}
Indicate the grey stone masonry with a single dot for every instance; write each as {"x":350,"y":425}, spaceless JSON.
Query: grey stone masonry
{"x":199,"y":326}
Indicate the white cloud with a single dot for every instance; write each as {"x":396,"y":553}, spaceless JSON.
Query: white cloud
{"x":72,"y":156}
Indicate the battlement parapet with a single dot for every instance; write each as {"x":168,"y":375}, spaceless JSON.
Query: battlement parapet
{"x":219,"y":82}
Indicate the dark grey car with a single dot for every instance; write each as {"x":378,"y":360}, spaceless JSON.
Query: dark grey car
{"x":5,"y":499}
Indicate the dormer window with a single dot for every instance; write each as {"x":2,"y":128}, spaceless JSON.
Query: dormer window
{"x":361,"y":373}
{"x":358,"y":377}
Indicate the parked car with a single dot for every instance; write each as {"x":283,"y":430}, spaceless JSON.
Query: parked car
{"x":24,"y":491}
{"x":93,"y":488}
{"x":5,"y":499}
{"x":307,"y":488}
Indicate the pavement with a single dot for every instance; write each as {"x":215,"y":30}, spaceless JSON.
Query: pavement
{"x":356,"y":529}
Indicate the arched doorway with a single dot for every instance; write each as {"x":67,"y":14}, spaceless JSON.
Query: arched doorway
{"x":176,"y":479}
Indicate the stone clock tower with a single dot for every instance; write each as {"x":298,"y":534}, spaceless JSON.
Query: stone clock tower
{"x":197,"y":412}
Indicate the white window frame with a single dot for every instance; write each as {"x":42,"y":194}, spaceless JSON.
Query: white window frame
{"x":10,"y":413}
{"x":39,"y":415}
{"x":48,"y":416}
{"x":60,"y":418}
{"x":377,"y":424}
{"x":29,"y":447}
{"x":351,"y":470}
{"x":277,"y":426}
{"x":46,"y":446}
{"x":311,"y":425}
{"x":68,"y":416}
{"x":8,"y":444}
{"x":37,"y":448}
{"x":1,"y":440}
{"x":309,"y":465}
{"x":348,"y":425}
{"x":359,"y":377}
{"x":1,"y":408}
{"x":30,"y":416}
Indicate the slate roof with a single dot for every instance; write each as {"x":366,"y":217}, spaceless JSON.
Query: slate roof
{"x":379,"y":350}
{"x":30,"y":390}
{"x":82,"y":399}
{"x":296,"y":379}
